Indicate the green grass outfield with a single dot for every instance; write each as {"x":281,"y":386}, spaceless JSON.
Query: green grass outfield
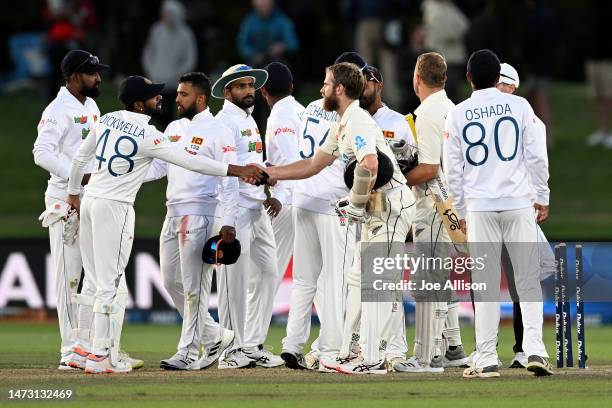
{"x":580,"y":177}
{"x":28,"y":357}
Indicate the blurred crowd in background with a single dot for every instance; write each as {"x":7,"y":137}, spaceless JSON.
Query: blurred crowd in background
{"x":544,"y":40}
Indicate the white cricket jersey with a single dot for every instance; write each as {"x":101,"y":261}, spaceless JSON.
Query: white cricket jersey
{"x":319,"y":191}
{"x":192,"y":193}
{"x":495,"y":155}
{"x":249,"y":148}
{"x":358,"y":136}
{"x":282,"y":141}
{"x":64,"y":124}
{"x":430,"y":121}
{"x":394,"y":126}
{"x":124,"y":145}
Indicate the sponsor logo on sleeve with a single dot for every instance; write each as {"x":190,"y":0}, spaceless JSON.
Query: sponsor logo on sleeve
{"x":279,"y":130}
{"x":360,"y":142}
{"x":197,"y":140}
{"x":228,"y":149}
{"x":84,"y":133}
{"x":174,"y":138}
{"x":255,"y":147}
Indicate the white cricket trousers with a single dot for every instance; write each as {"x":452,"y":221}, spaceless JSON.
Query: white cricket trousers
{"x":284,"y":231}
{"x":247,"y":288}
{"x":188,"y":280}
{"x":67,"y":265}
{"x":107,"y":234}
{"x":377,"y":317}
{"x":323,"y":253}
{"x":486,"y":231}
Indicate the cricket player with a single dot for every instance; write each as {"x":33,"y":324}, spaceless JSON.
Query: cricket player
{"x":63,"y":126}
{"x":395,"y":129}
{"x":495,"y":159}
{"x":193,"y":204}
{"x":357,"y":137}
{"x":430,"y":236}
{"x":323,"y":250}
{"x":282,"y":148}
{"x":247,"y":288}
{"x":509,"y":82}
{"x":123,"y":145}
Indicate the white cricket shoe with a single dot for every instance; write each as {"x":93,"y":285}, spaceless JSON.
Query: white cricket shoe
{"x":178,"y":362}
{"x":413,"y":365}
{"x":101,"y":364}
{"x":312,"y":360}
{"x":212,"y":355}
{"x":519,"y":360}
{"x":332,"y":364}
{"x":135,"y":363}
{"x":78,"y":357}
{"x":358,"y":366}
{"x":235,"y":359}
{"x":262,"y":357}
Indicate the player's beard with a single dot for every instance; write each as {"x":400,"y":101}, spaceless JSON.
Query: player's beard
{"x":189,"y":112}
{"x":330,"y":103}
{"x":245,"y":102}
{"x":366,"y":101}
{"x":91,"y":91}
{"x":155,"y":111}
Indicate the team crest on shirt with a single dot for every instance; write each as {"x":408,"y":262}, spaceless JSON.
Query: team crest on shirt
{"x":255,"y":147}
{"x":389,"y":134}
{"x":197,"y":140}
{"x":174,"y":138}
{"x":360,"y":142}
{"x":80,"y":119}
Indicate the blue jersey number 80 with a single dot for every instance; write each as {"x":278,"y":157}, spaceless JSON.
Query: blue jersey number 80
{"x":118,"y":155}
{"x":473,"y":144}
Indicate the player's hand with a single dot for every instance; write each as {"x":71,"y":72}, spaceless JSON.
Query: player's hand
{"x":463,"y":226}
{"x":273,"y":206}
{"x":228,"y":234}
{"x":345,"y":209}
{"x":271,"y":182}
{"x":250,"y":173}
{"x":542,"y":212}
{"x":85,"y":179}
{"x":74,"y":201}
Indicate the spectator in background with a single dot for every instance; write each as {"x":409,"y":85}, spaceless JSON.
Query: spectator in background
{"x":371,"y":20}
{"x":266,"y":35}
{"x":539,"y":46}
{"x":170,"y":51}
{"x":599,"y":73}
{"x":67,"y":23}
{"x":445,"y":28}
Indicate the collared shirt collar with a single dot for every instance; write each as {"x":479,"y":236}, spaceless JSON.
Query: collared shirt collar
{"x":287,"y":100}
{"x":65,"y":93}
{"x":205,"y":114}
{"x":479,"y":93}
{"x":381,"y":110}
{"x":434,"y":98}
{"x":349,"y":111}
{"x":235,"y":110}
{"x":141,"y":117}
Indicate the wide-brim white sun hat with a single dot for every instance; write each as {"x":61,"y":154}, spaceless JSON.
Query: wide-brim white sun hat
{"x":260,"y":76}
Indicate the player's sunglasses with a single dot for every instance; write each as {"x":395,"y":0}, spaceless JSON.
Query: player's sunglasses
{"x":369,"y":74}
{"x":93,"y":60}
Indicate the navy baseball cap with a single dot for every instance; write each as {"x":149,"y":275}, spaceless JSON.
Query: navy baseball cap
{"x":80,"y":61}
{"x":280,"y":78}
{"x":352,"y":57}
{"x":216,"y":251}
{"x":136,"y":88}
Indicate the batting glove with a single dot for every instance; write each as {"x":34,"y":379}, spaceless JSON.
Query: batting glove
{"x":347,"y":211}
